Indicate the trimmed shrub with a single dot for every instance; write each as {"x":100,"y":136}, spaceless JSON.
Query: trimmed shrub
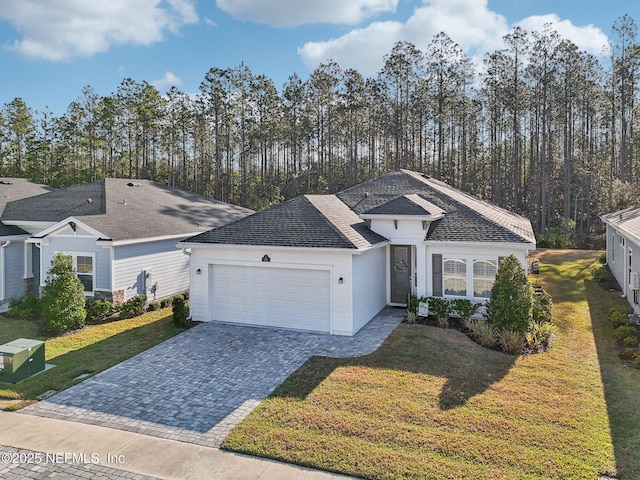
{"x":618,"y":316}
{"x":133,"y":307}
{"x":464,"y":308}
{"x":97,"y":310}
{"x":153,"y":306}
{"x":179,"y":312}
{"x":440,"y":308}
{"x":624,"y":331}
{"x":509,"y":307}
{"x":25,"y":307}
{"x":511,"y":341}
{"x":541,"y":308}
{"x":63,"y":301}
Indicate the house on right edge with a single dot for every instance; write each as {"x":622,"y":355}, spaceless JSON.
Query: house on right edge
{"x":623,"y":251}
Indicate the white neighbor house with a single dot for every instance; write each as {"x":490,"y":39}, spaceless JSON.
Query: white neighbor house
{"x":623,"y":251}
{"x":330,"y":263}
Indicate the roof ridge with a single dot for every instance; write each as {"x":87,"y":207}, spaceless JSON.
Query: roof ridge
{"x":468,"y":200}
{"x":330,"y":221}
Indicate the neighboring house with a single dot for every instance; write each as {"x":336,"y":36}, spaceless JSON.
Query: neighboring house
{"x":623,"y":251}
{"x":330,"y":263}
{"x":120,"y":233}
{"x":13,"y":256}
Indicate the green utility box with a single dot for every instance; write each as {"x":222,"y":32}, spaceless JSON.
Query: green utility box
{"x":21,"y":359}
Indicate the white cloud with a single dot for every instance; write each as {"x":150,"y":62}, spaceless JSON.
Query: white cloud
{"x":589,"y":38}
{"x":291,"y":13}
{"x":470,"y":23}
{"x":169,"y":80}
{"x":63,"y":29}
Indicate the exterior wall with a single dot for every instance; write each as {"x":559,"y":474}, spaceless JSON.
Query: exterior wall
{"x":338,"y":264}
{"x":369,"y":285}
{"x":14,"y":270}
{"x":618,"y":248}
{"x":169,"y":269}
{"x":469,"y":253}
{"x":80,"y":243}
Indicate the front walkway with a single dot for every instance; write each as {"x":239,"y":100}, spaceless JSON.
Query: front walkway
{"x":197,"y":386}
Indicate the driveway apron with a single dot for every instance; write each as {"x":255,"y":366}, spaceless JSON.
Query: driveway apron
{"x":196,"y":386}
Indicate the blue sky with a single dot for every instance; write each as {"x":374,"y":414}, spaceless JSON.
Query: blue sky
{"x":51,"y":49}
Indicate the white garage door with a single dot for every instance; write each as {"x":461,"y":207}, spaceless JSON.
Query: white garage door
{"x":279,"y":297}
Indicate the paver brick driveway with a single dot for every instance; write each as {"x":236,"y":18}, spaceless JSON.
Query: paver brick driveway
{"x":197,"y":386}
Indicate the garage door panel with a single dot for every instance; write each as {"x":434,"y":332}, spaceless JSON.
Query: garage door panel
{"x":271,"y":296}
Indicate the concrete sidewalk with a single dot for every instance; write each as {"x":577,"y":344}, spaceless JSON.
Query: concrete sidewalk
{"x":137,"y":453}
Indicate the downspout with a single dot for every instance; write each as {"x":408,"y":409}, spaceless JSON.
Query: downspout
{"x":2,"y":262}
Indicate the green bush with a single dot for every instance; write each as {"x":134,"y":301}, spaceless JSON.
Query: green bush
{"x":153,"y":306}
{"x":509,"y":307}
{"x":440,"y":308}
{"x":464,"y":308}
{"x":511,"y":341}
{"x":631,"y":341}
{"x":25,"y":307}
{"x":133,"y":307}
{"x":602,"y":258}
{"x":624,"y":331}
{"x":180,"y":312}
{"x":411,"y":317}
{"x":97,"y":310}
{"x":165,"y":302}
{"x":63,"y":301}
{"x":619,"y":316}
{"x":541,"y":307}
{"x":599,"y":272}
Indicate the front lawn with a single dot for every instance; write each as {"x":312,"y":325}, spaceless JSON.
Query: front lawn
{"x":89,"y":350}
{"x":430,"y":403}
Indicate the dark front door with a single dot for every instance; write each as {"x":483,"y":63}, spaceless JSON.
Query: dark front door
{"x":400,"y":273}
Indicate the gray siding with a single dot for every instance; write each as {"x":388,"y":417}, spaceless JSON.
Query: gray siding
{"x":79,"y":245}
{"x":369,"y":285}
{"x":14,"y":270}
{"x":169,"y":268}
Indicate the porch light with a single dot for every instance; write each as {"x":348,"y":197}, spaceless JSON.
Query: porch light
{"x":266,"y":258}
{"x":198,"y":271}
{"x":341,"y":280}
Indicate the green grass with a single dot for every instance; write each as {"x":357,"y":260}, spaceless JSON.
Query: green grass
{"x":430,"y":403}
{"x":90,"y":350}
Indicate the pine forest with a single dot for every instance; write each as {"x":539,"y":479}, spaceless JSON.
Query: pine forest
{"x":538,"y":127}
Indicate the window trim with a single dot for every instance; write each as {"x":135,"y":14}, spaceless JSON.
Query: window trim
{"x":74,"y":258}
{"x":465,"y":277}
{"x":473,"y":274}
{"x":469,"y":277}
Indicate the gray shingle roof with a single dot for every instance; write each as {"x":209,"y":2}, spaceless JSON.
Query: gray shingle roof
{"x":626,"y":221}
{"x":407,"y":205}
{"x":316,"y":221}
{"x":124,"y":209}
{"x":332,"y":221}
{"x":16,"y":189}
{"x":467,"y":219}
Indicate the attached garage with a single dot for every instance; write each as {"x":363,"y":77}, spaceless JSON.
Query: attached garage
{"x":271,"y":296}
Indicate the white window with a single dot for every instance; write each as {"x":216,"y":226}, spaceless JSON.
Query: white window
{"x":83,"y":265}
{"x":613,"y":248}
{"x":455,"y":276}
{"x":629,"y":264}
{"x":484,"y":275}
{"x":621,"y":239}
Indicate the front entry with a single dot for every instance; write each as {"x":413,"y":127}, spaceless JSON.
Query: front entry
{"x":400,"y":273}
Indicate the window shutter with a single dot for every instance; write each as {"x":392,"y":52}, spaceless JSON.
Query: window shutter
{"x":436,"y":260}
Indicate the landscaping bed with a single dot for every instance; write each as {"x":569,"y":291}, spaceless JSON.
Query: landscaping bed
{"x":430,"y":403}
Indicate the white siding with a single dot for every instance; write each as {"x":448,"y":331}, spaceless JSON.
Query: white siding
{"x":168,"y":265}
{"x":337,"y":264}
{"x":369,"y":285}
